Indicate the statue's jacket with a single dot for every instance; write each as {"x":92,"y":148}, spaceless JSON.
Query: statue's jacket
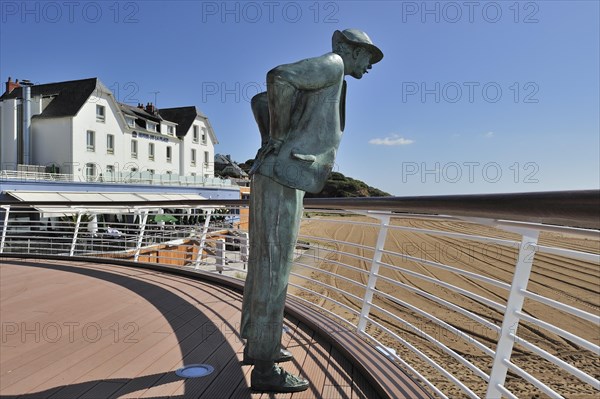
{"x":306,"y":156}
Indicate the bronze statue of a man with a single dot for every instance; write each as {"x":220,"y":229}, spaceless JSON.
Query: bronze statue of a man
{"x":301,"y":119}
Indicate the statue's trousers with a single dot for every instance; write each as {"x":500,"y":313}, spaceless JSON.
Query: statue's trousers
{"x":275,"y":212}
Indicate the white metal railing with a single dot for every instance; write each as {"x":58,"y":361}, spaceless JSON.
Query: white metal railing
{"x":118,"y":177}
{"x":457,"y":303}
{"x":35,"y":176}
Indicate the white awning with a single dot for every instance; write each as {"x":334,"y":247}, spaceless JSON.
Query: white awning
{"x":79,"y":199}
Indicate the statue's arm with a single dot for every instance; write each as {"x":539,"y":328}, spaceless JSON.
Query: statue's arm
{"x":280,"y":95}
{"x":284,"y":82}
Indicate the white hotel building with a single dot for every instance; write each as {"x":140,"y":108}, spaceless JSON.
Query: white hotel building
{"x":77,"y":127}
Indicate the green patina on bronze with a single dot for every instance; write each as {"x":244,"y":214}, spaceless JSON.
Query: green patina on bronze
{"x":301,"y":119}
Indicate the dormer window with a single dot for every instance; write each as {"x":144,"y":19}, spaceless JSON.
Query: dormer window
{"x":171,"y":130}
{"x":130,"y":121}
{"x":151,"y":126}
{"x":100,"y":113}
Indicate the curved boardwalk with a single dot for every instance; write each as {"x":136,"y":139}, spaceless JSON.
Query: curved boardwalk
{"x":92,"y":330}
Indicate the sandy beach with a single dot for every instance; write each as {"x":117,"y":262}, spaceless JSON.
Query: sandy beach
{"x":573,"y":282}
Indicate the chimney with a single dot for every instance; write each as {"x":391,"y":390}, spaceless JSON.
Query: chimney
{"x":140,"y":106}
{"x":10,"y":85}
{"x":150,"y":108}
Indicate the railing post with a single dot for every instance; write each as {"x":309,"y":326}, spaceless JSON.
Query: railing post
{"x":203,"y":239}
{"x":510,"y":322}
{"x":220,"y":255}
{"x":74,"y":241}
{"x":244,"y":248}
{"x":143,"y":218}
{"x":373,"y":273}
{"x":161,"y":211}
{"x":4,"y":227}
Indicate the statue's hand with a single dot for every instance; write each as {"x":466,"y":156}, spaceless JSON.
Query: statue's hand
{"x":272,"y":146}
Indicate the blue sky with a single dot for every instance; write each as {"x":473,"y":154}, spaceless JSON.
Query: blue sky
{"x":471,"y":97}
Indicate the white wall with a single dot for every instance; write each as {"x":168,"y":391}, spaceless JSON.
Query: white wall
{"x":8,"y":134}
{"x":9,"y":127}
{"x":51,"y":143}
{"x":86,"y":120}
{"x":161,"y":142}
{"x":200,"y":169}
{"x":121,"y":159}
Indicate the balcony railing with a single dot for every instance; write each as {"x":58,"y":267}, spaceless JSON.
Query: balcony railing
{"x":117,"y":177}
{"x":475,"y":296}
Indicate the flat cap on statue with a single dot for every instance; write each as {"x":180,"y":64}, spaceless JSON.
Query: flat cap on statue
{"x":359,"y":38}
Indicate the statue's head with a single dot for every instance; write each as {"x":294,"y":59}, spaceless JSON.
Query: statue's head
{"x":357,"y":50}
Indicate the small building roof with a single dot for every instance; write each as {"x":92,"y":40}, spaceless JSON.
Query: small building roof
{"x":184,"y":117}
{"x":69,"y":96}
{"x":223,"y":163}
{"x":138,"y":112}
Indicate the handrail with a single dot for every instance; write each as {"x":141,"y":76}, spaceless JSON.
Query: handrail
{"x":572,"y":208}
{"x":568,"y":208}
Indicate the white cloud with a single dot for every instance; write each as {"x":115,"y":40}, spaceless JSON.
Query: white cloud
{"x":488,"y":135}
{"x":394,"y":139}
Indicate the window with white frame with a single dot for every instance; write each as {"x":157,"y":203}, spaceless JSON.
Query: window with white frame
{"x":90,"y":171}
{"x":110,"y":144}
{"x":110,"y":169}
{"x":100,"y":113}
{"x":134,"y":149}
{"x":151,"y":151}
{"x":90,"y":140}
{"x":151,"y":126}
{"x":206,"y":158}
{"x":171,"y":130}
{"x":151,"y":171}
{"x":204,"y":135}
{"x":169,"y":154}
{"x":195,"y":137}
{"x":193,"y":158}
{"x":130,"y":121}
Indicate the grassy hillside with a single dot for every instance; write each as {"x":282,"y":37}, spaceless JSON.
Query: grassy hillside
{"x":337,"y":185}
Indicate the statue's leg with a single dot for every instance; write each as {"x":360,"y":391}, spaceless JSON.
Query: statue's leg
{"x":249,"y":286}
{"x":275,"y":212}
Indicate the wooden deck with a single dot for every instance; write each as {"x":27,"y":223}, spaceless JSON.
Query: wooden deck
{"x":93,"y":330}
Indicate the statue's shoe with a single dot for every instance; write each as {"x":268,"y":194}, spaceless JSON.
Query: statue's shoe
{"x":277,"y":380}
{"x":284,"y":356}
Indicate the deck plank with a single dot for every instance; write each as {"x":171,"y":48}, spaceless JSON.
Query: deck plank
{"x":98,"y":367}
{"x":314,"y":366}
{"x":177,"y":321}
